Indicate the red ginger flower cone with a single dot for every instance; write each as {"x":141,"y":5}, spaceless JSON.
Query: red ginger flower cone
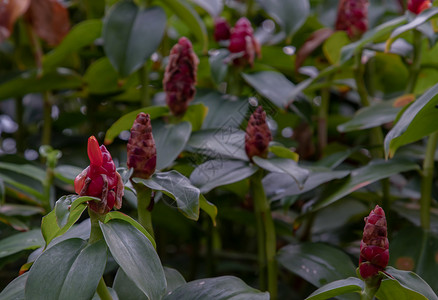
{"x":417,"y":6}
{"x":221,"y":30}
{"x":180,"y":77}
{"x":142,"y":154}
{"x":242,"y":41}
{"x":258,"y":135}
{"x":352,"y":17}
{"x":100,"y":179}
{"x":374,"y":253}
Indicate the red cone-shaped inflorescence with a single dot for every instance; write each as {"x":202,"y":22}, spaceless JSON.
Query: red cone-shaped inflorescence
{"x":142,"y":154}
{"x":221,"y":30}
{"x":417,"y":6}
{"x":243,"y":42}
{"x":352,"y":17}
{"x":180,"y":77}
{"x":374,"y":253}
{"x":100,"y":179}
{"x":258,"y":135}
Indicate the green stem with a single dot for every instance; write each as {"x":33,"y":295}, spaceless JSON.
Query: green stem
{"x":416,"y":63}
{"x":103,"y":291}
{"x":144,"y":91}
{"x":427,"y":182}
{"x":249,"y":8}
{"x":359,"y":72}
{"x":234,"y":82}
{"x":95,"y":233}
{"x":144,"y":207}
{"x":372,"y":285}
{"x":48,"y":182}
{"x":267,"y":231}
{"x":47,"y":125}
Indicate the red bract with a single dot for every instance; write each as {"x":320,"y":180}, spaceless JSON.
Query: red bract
{"x":142,"y":154}
{"x":180,"y":77}
{"x":221,"y":30}
{"x":242,"y":41}
{"x":258,"y":135}
{"x":352,"y":17}
{"x":100,"y":179}
{"x":417,"y":6}
{"x":374,"y":253}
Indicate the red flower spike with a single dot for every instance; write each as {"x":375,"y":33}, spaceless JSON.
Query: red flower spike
{"x":242,"y":41}
{"x":100,"y":179}
{"x":221,"y":30}
{"x":258,"y":135}
{"x":417,"y":6}
{"x":374,"y":253}
{"x":180,"y":77}
{"x":352,"y":17}
{"x":142,"y":154}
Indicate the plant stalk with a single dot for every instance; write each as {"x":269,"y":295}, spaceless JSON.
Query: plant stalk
{"x":95,"y":233}
{"x":427,"y":182}
{"x":103,"y":291}
{"x":265,"y":232}
{"x":144,"y":206}
{"x":48,"y":182}
{"x":416,"y":62}
{"x":144,"y":91}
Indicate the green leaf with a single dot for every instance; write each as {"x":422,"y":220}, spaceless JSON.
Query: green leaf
{"x":22,"y":241}
{"x":213,"y":7}
{"x":283,"y":166}
{"x":218,"y":67}
{"x":272,"y":85}
{"x":116,"y":215}
{"x":69,"y":270}
{"x":209,"y":208}
{"x":417,"y":21}
{"x":283,"y":152}
{"x":219,"y":143}
{"x":31,"y":82}
{"x":101,"y":78}
{"x":136,"y":255}
{"x":174,"y":279}
{"x":214,"y":173}
{"x":28,"y":170}
{"x":126,"y":288}
{"x":338,"y":287}
{"x":16,"y":223}
{"x":126,"y":121}
{"x":2,"y":192}
{"x":219,"y":288}
{"x":333,"y":45}
{"x":371,"y":116}
{"x":22,"y":187}
{"x":190,"y":17}
{"x":20,"y":210}
{"x":317,"y":263}
{"x":15,"y":289}
{"x":179,"y":188}
{"x":196,"y":114}
{"x":81,"y":35}
{"x":361,"y":177}
{"x":290,"y":15}
{"x":416,"y":122}
{"x":67,"y":173}
{"x":131,"y":34}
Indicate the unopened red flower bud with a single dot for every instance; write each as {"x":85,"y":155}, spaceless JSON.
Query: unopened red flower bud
{"x":352,"y":17}
{"x":258,"y":135}
{"x":221,"y":30}
{"x":243,"y":42}
{"x":417,"y":6}
{"x":100,"y":179}
{"x":142,"y":154}
{"x":374,"y":253}
{"x":180,"y":77}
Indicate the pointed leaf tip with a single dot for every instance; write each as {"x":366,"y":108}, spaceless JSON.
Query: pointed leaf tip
{"x":94,"y":153}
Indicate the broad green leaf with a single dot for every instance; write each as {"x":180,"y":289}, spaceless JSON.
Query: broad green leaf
{"x":213,"y":7}
{"x":101,"y":78}
{"x":170,"y":141}
{"x":290,"y":15}
{"x":391,"y":73}
{"x":219,"y":288}
{"x":333,"y":45}
{"x":361,"y":177}
{"x":81,"y":231}
{"x":81,"y":35}
{"x":391,"y":289}
{"x":32,"y":82}
{"x":214,"y":173}
{"x":272,"y":85}
{"x":219,"y":143}
{"x":371,"y":116}
{"x":174,"y":279}
{"x":16,"y":223}
{"x":67,"y":173}
{"x":209,"y":208}
{"x":284,"y":166}
{"x":68,"y":270}
{"x":126,"y":121}
{"x":283,"y":152}
{"x":20,"y":210}
{"x":121,"y":216}
{"x":21,"y":241}
{"x":317,"y":263}
{"x":190,"y":17}
{"x":196,"y":114}
{"x":131,"y":34}
{"x":416,"y":122}
{"x":28,"y":170}
{"x":36,"y":195}
{"x":15,"y":289}
{"x":338,"y":287}
{"x":126,"y":289}
{"x":179,"y":188}
{"x":417,"y":21}
{"x":218,"y":67}
{"x":136,"y":255}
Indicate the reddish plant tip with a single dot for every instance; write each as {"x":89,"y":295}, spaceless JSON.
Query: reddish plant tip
{"x":374,"y":247}
{"x":417,"y":6}
{"x":94,"y":152}
{"x":258,"y":135}
{"x":221,"y":30}
{"x":243,"y":44}
{"x":352,"y":17}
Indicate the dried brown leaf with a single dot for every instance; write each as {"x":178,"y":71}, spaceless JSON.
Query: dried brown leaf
{"x":313,"y":42}
{"x":10,"y":11}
